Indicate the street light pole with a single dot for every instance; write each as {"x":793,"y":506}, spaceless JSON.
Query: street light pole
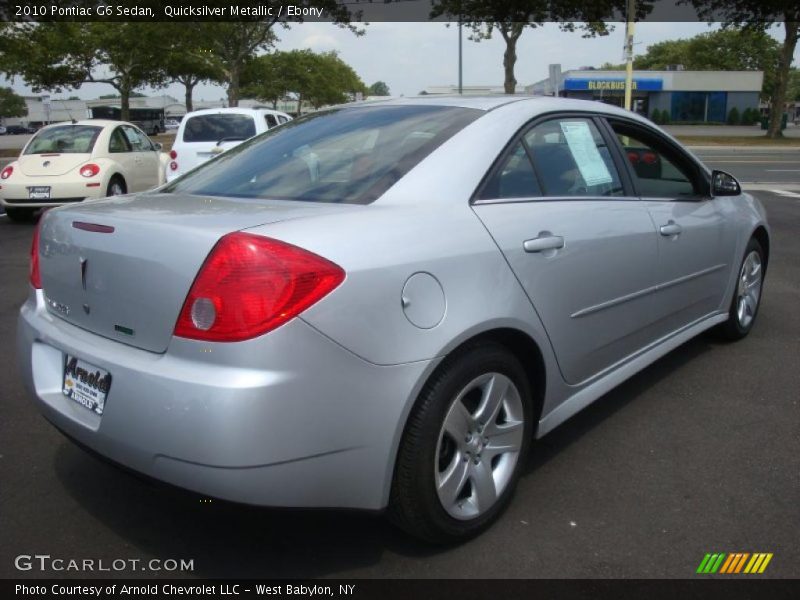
{"x":631,"y":10}
{"x":460,"y":61}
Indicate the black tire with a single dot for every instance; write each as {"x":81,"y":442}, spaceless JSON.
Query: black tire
{"x":414,"y":504}
{"x":116,"y":179}
{"x":733,"y":329}
{"x":20,"y":215}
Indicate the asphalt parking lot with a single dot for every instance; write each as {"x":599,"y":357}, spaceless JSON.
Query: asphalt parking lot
{"x":698,"y":453}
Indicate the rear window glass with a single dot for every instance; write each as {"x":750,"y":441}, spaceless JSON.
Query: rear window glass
{"x":69,"y":139}
{"x":350,"y":155}
{"x":214,"y":128}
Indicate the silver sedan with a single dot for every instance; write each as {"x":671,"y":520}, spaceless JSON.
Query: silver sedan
{"x":381,"y":306}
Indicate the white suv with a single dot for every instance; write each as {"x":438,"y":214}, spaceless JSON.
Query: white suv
{"x":203,"y":134}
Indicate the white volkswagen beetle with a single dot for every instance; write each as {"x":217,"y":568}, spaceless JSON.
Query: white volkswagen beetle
{"x":70,"y":162}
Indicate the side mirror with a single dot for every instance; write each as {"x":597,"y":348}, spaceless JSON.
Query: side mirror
{"x":157,"y":146}
{"x":724,"y":184}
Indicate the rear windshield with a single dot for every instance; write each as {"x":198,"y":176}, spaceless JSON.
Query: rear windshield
{"x":350,"y":155}
{"x":215,"y":128}
{"x":68,"y":139}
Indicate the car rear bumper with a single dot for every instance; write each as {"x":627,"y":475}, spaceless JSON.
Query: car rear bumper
{"x":287,"y":419}
{"x":15,"y":195}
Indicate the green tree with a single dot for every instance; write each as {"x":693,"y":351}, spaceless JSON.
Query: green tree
{"x":761,"y":15}
{"x":187,"y":58}
{"x":379,"y":88}
{"x":655,"y":117}
{"x":316,"y":79}
{"x":733,"y":116}
{"x":722,"y":50}
{"x":793,"y":87}
{"x":64,"y":55}
{"x":230,"y":46}
{"x":12,"y":105}
{"x":510,"y":18}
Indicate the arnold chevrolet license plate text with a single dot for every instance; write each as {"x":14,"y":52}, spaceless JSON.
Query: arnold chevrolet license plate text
{"x":39,"y":192}
{"x":86,"y":384}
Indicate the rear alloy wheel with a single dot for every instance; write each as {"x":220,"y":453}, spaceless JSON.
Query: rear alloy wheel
{"x":747,"y":295}
{"x":116,"y":187}
{"x":464,"y":446}
{"x":20,"y":215}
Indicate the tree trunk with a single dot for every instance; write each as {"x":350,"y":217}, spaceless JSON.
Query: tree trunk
{"x":781,"y":85}
{"x":233,"y":86}
{"x":510,"y":56}
{"x":299,"y":105}
{"x":189,"y":85}
{"x":125,"y":101}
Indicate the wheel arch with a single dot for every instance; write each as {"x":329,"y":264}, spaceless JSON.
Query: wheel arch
{"x":762,"y":237}
{"x":521,"y":344}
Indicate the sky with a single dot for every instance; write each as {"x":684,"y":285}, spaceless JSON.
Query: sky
{"x":412,"y":56}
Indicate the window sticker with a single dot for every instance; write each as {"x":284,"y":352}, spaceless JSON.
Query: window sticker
{"x":591,"y":165}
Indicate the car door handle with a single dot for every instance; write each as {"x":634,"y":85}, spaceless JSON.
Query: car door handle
{"x":542,"y":243}
{"x":670,"y":229}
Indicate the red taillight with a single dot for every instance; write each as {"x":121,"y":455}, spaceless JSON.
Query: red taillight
{"x":173,"y":155}
{"x":6,"y":173}
{"x":173,"y":165}
{"x":35,"y":275}
{"x":90,"y":170}
{"x":633,"y":157}
{"x":249,"y":285}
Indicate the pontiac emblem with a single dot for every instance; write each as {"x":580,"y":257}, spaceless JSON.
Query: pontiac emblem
{"x":83,"y":273}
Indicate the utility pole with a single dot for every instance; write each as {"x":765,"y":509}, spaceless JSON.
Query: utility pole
{"x":631,"y":10}
{"x":460,"y":61}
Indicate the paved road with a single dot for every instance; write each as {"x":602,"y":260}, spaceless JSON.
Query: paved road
{"x":698,"y":453}
{"x":756,"y":165}
{"x":727,"y":130}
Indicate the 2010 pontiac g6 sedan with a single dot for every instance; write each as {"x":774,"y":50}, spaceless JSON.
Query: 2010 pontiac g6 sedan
{"x":381,"y":306}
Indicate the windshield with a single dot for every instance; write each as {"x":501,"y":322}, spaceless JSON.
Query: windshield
{"x":213,"y":128}
{"x":68,"y":139}
{"x":348,"y":155}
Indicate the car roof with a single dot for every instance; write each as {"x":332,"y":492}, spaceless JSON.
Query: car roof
{"x":232,"y":110}
{"x":538,"y":104}
{"x":95,"y":122}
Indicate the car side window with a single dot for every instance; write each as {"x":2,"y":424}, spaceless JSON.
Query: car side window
{"x":118,"y":142}
{"x":657,"y":171}
{"x":514,"y":178}
{"x":137,"y":140}
{"x":572,"y":158}
{"x":271,"y":121}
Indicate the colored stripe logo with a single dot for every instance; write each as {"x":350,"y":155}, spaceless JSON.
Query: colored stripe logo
{"x":735,"y":562}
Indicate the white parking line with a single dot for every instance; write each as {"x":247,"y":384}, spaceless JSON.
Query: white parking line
{"x":786,"y":193}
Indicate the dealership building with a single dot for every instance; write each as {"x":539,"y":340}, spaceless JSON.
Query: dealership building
{"x":687,"y":96}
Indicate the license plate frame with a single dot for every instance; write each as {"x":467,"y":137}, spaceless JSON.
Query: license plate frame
{"x":85,"y":384}
{"x":39,"y":192}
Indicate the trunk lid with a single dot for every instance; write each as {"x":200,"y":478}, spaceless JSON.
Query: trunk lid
{"x":129,"y":284}
{"x":44,"y":165}
{"x":196,"y":153}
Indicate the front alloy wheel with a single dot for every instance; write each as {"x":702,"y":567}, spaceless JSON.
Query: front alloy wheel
{"x":747,"y":296}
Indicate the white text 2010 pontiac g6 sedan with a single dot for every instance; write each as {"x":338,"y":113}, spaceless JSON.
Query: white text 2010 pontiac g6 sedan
{"x":69,"y":162}
{"x":382,"y":305}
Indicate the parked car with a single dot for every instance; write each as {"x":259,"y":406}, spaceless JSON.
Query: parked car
{"x":171,"y":124}
{"x":3,"y":130}
{"x":71,"y":162}
{"x":391,"y":324}
{"x":203,"y":134}
{"x":19,"y":129}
